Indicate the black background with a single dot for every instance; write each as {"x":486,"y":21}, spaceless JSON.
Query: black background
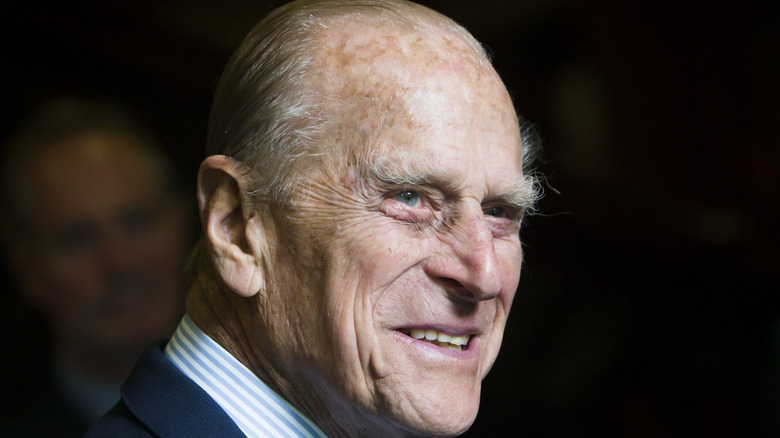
{"x":647,"y":306}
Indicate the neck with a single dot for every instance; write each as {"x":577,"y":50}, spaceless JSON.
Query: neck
{"x":235,"y":323}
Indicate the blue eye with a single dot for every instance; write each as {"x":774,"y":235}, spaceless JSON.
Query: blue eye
{"x":409,"y":197}
{"x":499,"y":212}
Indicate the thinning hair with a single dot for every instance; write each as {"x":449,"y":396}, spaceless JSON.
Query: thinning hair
{"x":267,"y":114}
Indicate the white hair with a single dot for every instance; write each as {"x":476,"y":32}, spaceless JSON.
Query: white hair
{"x":266,"y":112}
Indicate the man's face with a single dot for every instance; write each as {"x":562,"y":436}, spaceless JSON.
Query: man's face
{"x":107,"y":245}
{"x":397,"y":268}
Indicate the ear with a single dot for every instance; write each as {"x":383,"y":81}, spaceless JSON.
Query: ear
{"x":233,"y":229}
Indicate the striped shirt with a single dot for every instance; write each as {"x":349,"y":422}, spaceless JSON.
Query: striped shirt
{"x":254,"y":407}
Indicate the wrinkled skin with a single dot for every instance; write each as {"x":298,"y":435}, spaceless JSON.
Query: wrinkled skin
{"x":412,"y":222}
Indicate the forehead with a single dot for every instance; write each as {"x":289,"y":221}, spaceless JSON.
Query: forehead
{"x":404,"y":95}
{"x":91,"y":176}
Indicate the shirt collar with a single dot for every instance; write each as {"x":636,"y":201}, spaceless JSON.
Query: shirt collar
{"x":254,"y":407}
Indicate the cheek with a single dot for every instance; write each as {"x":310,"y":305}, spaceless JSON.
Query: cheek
{"x":160,"y":249}
{"x":73,"y":293}
{"x":363,"y":260}
{"x":381,"y":249}
{"x":76,"y":280}
{"x":158,"y":260}
{"x":510,"y":255}
{"x":388,"y":255}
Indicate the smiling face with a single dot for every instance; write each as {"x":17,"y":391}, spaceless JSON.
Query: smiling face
{"x":395,"y":271}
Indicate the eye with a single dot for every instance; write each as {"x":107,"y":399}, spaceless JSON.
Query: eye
{"x":76,"y":238}
{"x":499,"y":212}
{"x":410,"y":198}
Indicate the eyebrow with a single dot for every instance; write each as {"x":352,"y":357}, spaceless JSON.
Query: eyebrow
{"x":521,"y":195}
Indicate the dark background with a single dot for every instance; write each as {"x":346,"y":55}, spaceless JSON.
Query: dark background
{"x":648,"y":304}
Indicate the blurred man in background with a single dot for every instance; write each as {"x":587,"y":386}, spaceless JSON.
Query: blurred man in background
{"x":96,"y":240}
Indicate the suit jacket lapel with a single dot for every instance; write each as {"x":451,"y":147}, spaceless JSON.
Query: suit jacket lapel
{"x":172,"y":405}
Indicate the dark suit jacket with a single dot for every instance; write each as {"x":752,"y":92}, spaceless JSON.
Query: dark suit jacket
{"x":158,"y":400}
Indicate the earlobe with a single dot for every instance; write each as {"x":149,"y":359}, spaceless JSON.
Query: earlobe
{"x":232,"y":228}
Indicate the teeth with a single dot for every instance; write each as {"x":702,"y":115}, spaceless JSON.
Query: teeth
{"x":458,"y":342}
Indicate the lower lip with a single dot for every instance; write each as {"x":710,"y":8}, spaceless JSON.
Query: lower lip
{"x":469,"y":352}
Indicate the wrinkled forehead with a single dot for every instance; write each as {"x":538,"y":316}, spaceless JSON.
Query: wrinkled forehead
{"x":386,"y":85}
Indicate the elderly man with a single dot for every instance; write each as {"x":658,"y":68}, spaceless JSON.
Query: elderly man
{"x":361,"y":208}
{"x":97,"y":243}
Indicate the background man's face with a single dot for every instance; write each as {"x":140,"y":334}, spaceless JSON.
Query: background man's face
{"x":415,"y":231}
{"x":107,"y":244}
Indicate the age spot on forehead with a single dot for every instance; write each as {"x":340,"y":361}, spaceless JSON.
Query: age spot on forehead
{"x":445,"y":85}
{"x":354,"y":47}
{"x":359,"y":62}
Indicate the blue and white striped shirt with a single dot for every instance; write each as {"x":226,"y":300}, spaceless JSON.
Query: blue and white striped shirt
{"x":256,"y":409}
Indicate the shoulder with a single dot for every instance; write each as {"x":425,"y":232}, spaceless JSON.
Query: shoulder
{"x":159,"y":400}
{"x":119,"y":422}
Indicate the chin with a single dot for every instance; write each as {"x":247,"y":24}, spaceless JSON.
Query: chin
{"x":440,"y":412}
{"x":444,"y":425}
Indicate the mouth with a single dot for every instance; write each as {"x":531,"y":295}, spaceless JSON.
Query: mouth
{"x":444,"y":340}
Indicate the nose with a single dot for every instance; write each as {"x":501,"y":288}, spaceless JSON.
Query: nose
{"x":470,"y":269}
